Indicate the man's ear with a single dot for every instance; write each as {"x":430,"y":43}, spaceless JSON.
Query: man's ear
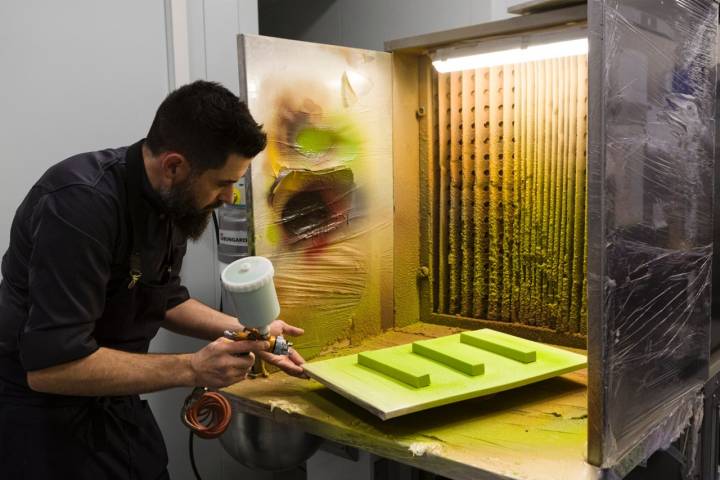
{"x":175,"y":166}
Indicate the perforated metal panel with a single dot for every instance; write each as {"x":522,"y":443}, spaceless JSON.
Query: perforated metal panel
{"x":511,"y":216}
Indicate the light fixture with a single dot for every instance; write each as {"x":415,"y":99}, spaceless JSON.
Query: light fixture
{"x":445,"y":61}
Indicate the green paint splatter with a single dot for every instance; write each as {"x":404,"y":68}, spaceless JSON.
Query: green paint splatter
{"x":273,"y":234}
{"x":312,"y":141}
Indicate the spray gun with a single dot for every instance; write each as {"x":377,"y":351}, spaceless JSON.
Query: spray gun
{"x":249,"y":283}
{"x":278,"y":345}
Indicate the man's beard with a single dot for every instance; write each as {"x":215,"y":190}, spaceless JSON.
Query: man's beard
{"x":179,"y":203}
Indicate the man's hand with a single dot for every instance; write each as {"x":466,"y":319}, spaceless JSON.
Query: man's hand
{"x":278,"y":327}
{"x":292,"y":363}
{"x":220,"y":363}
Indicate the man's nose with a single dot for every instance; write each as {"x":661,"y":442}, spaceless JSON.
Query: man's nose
{"x":226,"y":195}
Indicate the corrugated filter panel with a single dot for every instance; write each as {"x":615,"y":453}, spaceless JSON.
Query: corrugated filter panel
{"x":511,"y":197}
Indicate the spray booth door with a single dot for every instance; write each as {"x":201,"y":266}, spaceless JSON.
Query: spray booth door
{"x":322,"y":191}
{"x":651,"y":147}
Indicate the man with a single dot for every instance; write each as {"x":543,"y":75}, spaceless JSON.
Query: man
{"x":90,"y":276}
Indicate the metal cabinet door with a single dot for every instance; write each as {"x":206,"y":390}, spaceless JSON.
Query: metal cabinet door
{"x":651,"y":155}
{"x":322,"y":190}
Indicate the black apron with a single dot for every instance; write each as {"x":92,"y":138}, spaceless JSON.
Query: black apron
{"x":97,"y":438}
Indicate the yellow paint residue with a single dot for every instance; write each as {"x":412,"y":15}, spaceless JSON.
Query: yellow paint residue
{"x":322,"y":190}
{"x":512,"y":194}
{"x":285,"y":406}
{"x":419,"y":449}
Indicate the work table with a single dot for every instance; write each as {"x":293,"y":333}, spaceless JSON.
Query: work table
{"x":534,"y":432}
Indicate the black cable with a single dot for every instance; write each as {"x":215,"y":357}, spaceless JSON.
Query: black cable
{"x":217,"y":227}
{"x":217,"y":242}
{"x":192,"y":456}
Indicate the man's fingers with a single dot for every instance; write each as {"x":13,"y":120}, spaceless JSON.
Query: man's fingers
{"x":290,"y":368}
{"x":244,"y":346}
{"x":292,"y":331}
{"x":242,"y":361}
{"x":296,"y":358}
{"x":286,"y":364}
{"x":279,"y":327}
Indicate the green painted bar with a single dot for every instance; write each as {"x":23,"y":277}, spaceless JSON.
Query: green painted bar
{"x":501,"y":344}
{"x":385,"y":362}
{"x":440,"y":353}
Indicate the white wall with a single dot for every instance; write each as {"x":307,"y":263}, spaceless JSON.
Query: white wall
{"x":74,"y":76}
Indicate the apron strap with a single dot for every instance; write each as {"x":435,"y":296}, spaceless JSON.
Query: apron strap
{"x":138,"y":215}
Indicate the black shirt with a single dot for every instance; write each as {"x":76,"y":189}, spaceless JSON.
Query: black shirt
{"x":64,"y":291}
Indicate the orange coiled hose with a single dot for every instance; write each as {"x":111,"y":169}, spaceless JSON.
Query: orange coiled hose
{"x":209,"y":415}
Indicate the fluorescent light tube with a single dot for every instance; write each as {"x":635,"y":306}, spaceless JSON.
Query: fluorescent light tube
{"x":532,"y":53}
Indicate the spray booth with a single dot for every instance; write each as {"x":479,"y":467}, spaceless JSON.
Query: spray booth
{"x":549,"y":176}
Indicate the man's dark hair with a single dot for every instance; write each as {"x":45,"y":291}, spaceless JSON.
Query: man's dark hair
{"x":205,"y":122}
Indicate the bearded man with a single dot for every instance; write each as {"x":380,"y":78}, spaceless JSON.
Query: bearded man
{"x":92,"y":273}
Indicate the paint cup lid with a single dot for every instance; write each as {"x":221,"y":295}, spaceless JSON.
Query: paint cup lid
{"x":247,"y":274}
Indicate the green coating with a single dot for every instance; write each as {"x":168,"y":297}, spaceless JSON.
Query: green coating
{"x":517,"y":261}
{"x":508,"y":166}
{"x":443,"y":154}
{"x":568,"y":156}
{"x":514,"y":194}
{"x":495,"y":259}
{"x":565,"y":260}
{"x":562,"y":209}
{"x":578,"y":258}
{"x":558,"y":139}
{"x":571,"y":233}
{"x":388,"y":397}
{"x":583,"y":305}
{"x":468,"y":180}
{"x":454,"y":254}
{"x":501,"y":343}
{"x":314,"y":141}
{"x":547,"y":160}
{"x":526,"y":202}
{"x":450,"y":355}
{"x":395,"y":366}
{"x":531,"y":201}
{"x":481,"y":197}
{"x":533,"y":433}
{"x":559,"y":158}
{"x":561,"y":277}
{"x":583,"y":82}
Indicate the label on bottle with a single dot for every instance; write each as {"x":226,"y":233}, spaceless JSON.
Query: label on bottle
{"x":237,"y":238}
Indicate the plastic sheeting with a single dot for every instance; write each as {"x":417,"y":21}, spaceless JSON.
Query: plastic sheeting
{"x":651,"y":148}
{"x":322,"y":192}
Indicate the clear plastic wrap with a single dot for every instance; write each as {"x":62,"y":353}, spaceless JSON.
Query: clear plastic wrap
{"x":650,"y":184}
{"x":322,"y":192}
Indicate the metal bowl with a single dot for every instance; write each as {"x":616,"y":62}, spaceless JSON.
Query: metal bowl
{"x":264,"y":444}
